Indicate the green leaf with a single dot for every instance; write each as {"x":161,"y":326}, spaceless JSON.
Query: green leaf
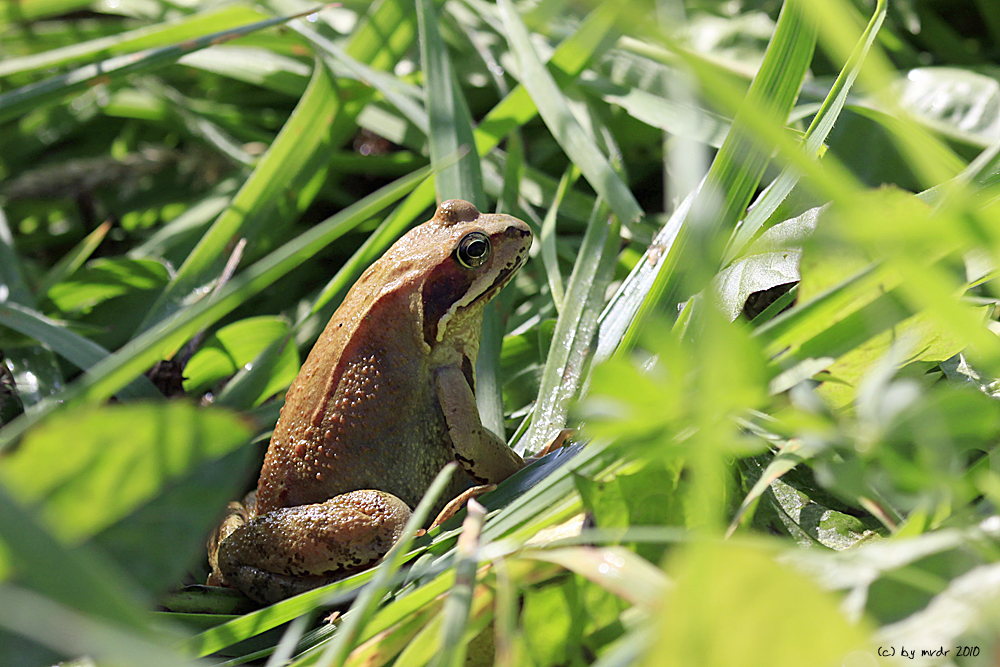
{"x":77,"y":577}
{"x":771,"y":260}
{"x":234,"y":346}
{"x":122,"y":456}
{"x":723,"y":588}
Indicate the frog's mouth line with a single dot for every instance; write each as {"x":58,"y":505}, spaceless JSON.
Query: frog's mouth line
{"x":498,"y":284}
{"x":503,"y":277}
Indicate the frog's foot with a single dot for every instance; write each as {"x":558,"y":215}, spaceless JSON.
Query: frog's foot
{"x":236,"y":515}
{"x":294,"y":549}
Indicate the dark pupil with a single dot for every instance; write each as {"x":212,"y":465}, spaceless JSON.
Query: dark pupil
{"x":476,"y":249}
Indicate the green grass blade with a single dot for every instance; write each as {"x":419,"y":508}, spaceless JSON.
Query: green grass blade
{"x":385,"y":34}
{"x":279,"y":176}
{"x":28,"y":10}
{"x":595,"y":35}
{"x":547,"y":239}
{"x":108,"y":376}
{"x":12,"y":280}
{"x":355,"y":620}
{"x":402,"y":95}
{"x":74,"y":259}
{"x":28,"y":98}
{"x":383,"y":37}
{"x":70,"y":632}
{"x":554,"y":110}
{"x":739,"y":164}
{"x":168,"y":32}
{"x":450,"y":121}
{"x":817,"y":133}
{"x":571,"y":343}
{"x":79,"y":351}
{"x":455,"y":615}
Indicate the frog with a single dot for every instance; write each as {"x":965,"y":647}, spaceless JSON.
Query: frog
{"x":383,"y":402}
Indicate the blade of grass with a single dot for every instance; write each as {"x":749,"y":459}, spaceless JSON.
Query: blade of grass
{"x":570,"y":135}
{"x":75,"y":258}
{"x":547,"y":239}
{"x":571,"y":343}
{"x":28,"y":98}
{"x":79,"y":351}
{"x":384,"y":646}
{"x":286,"y":167}
{"x":450,"y":121}
{"x":455,"y":615}
{"x":819,"y":129}
{"x":335,"y":654}
{"x":13,"y":285}
{"x":919,"y":148}
{"x":615,"y":569}
{"x":73,"y":633}
{"x":740,"y":163}
{"x":28,"y":10}
{"x":733,"y":176}
{"x":400,"y":94}
{"x":384,"y":36}
{"x":489,"y":384}
{"x":168,"y":32}
{"x":595,"y":36}
{"x":114,"y":372}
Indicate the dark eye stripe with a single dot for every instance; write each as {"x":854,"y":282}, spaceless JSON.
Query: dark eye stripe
{"x":446,"y":285}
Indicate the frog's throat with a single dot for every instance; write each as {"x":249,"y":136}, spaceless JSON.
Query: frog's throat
{"x":461,"y":333}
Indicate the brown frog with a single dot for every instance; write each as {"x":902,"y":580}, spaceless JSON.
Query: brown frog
{"x":384,"y":400}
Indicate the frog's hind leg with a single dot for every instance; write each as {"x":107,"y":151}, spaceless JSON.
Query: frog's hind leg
{"x":294,"y":549}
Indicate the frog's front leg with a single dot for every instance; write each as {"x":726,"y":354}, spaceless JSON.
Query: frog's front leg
{"x":485,"y":457}
{"x":294,"y":549}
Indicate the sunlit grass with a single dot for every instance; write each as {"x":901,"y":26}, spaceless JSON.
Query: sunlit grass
{"x":672,"y":162}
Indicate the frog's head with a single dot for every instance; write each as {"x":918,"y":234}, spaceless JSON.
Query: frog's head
{"x":478,"y":253}
{"x":447,"y":269}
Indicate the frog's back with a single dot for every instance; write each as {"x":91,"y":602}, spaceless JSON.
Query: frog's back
{"x":362,"y":413}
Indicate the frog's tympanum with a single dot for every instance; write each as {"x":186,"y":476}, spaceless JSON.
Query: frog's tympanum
{"x":384,"y":400}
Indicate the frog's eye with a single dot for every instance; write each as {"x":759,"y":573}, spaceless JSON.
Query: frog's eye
{"x":473,"y":250}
